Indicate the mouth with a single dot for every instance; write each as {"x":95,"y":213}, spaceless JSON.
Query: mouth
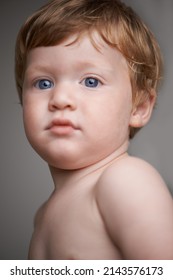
{"x":62,"y":127}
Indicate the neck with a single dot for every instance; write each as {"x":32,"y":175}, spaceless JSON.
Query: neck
{"x":63,"y":177}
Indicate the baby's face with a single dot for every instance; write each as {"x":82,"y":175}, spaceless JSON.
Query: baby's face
{"x":77,"y":102}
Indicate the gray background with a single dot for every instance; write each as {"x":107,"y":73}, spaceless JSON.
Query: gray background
{"x":25,"y":179}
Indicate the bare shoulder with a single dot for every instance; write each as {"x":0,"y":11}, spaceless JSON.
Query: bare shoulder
{"x":137,"y":208}
{"x":131,"y":174}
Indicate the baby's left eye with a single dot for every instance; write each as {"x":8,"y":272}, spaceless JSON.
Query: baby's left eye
{"x":91,"y":82}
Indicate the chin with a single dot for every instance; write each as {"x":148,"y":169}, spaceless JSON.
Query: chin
{"x":66,"y":163}
{"x":71,"y":163}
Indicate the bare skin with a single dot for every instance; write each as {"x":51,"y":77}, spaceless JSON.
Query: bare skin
{"x":77,"y":113}
{"x":96,"y":213}
{"x":76,"y":229}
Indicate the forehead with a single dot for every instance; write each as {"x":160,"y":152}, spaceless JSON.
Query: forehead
{"x":83,"y":50}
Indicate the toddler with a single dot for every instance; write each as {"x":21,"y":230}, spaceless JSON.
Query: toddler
{"x":87,"y":73}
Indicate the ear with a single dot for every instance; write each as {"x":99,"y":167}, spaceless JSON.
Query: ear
{"x":141,"y":113}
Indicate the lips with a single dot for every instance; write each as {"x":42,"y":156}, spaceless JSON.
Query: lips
{"x":62,"y":127}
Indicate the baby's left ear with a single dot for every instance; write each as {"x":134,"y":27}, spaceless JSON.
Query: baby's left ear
{"x":141,"y":113}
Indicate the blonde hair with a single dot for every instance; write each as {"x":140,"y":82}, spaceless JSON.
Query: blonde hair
{"x":118,"y":25}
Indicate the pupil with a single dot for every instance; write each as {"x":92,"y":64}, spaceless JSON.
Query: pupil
{"x":44,"y":84}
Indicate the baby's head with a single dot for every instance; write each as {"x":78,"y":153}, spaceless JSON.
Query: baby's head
{"x":117,"y":24}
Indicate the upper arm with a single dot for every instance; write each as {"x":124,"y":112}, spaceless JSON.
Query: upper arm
{"x":39,"y":214}
{"x":137,"y":210}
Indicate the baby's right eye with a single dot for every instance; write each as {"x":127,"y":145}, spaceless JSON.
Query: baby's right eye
{"x":44,"y":84}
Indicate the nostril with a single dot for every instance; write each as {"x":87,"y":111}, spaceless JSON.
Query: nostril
{"x":52,"y":107}
{"x":61,"y":102}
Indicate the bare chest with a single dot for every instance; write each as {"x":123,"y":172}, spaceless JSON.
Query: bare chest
{"x":70,"y":227}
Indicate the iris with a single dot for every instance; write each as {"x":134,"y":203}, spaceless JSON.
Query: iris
{"x":91,"y":82}
{"x":44,"y":84}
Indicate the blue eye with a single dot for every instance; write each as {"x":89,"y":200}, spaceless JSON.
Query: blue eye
{"x":91,"y":82}
{"x":44,"y":84}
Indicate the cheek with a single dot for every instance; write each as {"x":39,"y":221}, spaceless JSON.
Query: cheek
{"x":30,"y":118}
{"x":114,"y":113}
{"x":115,"y":117}
{"x":28,"y":124}
{"x":107,"y":130}
{"x":33,"y":110}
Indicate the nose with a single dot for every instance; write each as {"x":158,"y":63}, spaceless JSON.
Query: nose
{"x":62,"y":97}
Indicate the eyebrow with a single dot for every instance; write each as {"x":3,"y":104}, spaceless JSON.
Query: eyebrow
{"x":82,"y":65}
{"x":78,"y":66}
{"x":43,"y":67}
{"x":36,"y":67}
{"x":85,"y":64}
